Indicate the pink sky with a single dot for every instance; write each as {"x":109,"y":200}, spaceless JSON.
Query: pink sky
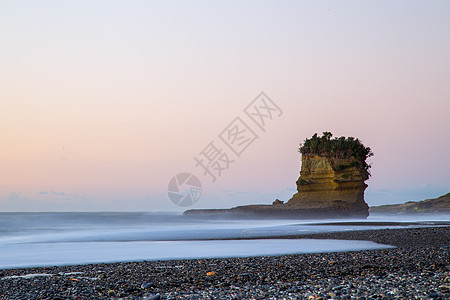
{"x":101,"y":104}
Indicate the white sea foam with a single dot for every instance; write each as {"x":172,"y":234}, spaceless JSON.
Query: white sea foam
{"x":45,"y":239}
{"x":96,"y":252}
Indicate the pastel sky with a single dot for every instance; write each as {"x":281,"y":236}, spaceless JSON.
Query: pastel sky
{"x":103,"y":102}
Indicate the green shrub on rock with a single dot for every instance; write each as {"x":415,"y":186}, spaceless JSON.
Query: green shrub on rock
{"x":338,"y":148}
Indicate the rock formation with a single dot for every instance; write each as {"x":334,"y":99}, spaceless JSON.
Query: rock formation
{"x":331,"y":184}
{"x":438,"y":206}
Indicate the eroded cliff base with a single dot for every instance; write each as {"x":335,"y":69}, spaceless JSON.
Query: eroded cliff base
{"x":332,"y":184}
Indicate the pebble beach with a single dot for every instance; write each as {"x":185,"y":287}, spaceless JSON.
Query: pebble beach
{"x":418,"y":268}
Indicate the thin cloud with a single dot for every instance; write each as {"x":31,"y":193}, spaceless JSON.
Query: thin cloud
{"x":58,"y":193}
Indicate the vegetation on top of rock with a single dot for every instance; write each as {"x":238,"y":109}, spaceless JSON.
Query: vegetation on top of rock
{"x":340,"y":147}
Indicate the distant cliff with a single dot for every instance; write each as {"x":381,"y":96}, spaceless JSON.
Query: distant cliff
{"x":331,"y":184}
{"x":438,"y":205}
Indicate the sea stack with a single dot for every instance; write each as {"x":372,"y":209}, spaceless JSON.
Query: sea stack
{"x":332,"y":176}
{"x":331,"y":184}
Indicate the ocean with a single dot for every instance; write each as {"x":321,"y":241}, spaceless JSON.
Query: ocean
{"x":50,"y":239}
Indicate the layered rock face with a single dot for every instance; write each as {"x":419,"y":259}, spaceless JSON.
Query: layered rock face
{"x":332,"y":186}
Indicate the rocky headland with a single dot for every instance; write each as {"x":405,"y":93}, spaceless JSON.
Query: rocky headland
{"x":438,"y":205}
{"x":331,"y":183}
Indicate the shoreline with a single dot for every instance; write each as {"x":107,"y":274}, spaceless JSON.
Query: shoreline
{"x":418,"y":267}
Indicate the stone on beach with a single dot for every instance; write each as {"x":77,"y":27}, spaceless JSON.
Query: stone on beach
{"x":417,"y":268}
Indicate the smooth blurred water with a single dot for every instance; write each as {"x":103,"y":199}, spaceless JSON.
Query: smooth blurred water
{"x":36,"y":239}
{"x":82,"y":253}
